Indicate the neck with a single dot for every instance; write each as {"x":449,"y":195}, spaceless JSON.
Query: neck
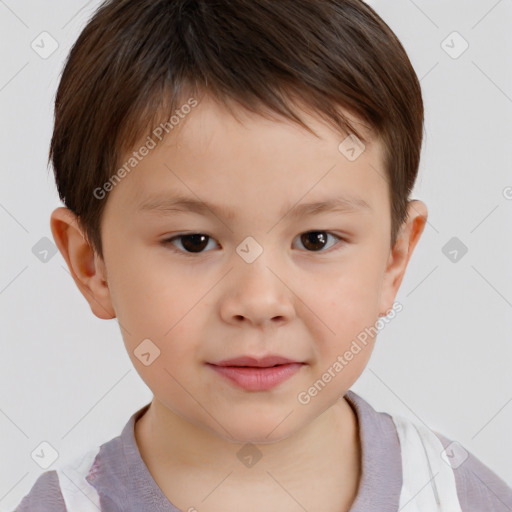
{"x":326,"y":450}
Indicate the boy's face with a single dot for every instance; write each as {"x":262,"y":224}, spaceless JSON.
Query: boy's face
{"x":254,"y":286}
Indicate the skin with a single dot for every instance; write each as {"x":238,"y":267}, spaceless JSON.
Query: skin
{"x":305,"y":304}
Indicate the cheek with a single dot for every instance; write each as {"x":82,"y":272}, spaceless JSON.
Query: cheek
{"x":350,"y":292}
{"x":154,"y":302}
{"x":151,"y":298}
{"x":349,"y":307}
{"x":163,"y":345}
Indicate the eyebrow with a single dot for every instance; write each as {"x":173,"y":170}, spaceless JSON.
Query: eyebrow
{"x":169,"y":205}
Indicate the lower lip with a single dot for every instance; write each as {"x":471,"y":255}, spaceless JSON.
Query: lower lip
{"x":258,"y":379}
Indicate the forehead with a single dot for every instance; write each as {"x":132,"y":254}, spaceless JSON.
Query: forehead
{"x":211,"y":128}
{"x":251,"y":160}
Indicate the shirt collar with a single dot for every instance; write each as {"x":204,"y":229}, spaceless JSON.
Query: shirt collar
{"x":122,"y":479}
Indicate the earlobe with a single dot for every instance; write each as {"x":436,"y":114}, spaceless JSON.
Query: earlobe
{"x":401,"y":253}
{"x":86,"y":268}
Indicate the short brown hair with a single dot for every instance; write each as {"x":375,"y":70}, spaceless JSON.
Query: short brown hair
{"x":136,"y":61}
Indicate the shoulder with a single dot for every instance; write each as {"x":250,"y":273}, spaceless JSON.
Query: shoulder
{"x":392,"y":449}
{"x":102,"y":474}
{"x":44,"y":496}
{"x":478,"y":487}
{"x":64,"y":489}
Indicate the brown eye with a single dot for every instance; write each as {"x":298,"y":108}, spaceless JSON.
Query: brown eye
{"x":315,"y":241}
{"x":192,"y":244}
{"x":195,"y":243}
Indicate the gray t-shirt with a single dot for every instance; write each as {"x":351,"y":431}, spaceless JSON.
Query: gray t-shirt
{"x":123,"y":481}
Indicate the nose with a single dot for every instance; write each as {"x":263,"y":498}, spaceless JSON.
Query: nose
{"x":256,"y":295}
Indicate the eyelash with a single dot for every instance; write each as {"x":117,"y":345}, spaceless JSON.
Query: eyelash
{"x":169,"y":242}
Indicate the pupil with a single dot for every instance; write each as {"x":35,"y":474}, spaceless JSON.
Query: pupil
{"x":311,"y":239}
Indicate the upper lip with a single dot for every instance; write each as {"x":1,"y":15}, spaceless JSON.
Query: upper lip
{"x":263,"y":362}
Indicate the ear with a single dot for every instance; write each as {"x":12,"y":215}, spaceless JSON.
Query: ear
{"x":87,"y":268}
{"x":407,"y":239}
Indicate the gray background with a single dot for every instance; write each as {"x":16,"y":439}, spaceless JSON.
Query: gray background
{"x":444,"y":360}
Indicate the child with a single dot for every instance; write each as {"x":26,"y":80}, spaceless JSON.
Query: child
{"x":283,"y":138}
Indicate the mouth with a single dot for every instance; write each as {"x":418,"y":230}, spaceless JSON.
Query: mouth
{"x":253,"y":362}
{"x":257,"y":374}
